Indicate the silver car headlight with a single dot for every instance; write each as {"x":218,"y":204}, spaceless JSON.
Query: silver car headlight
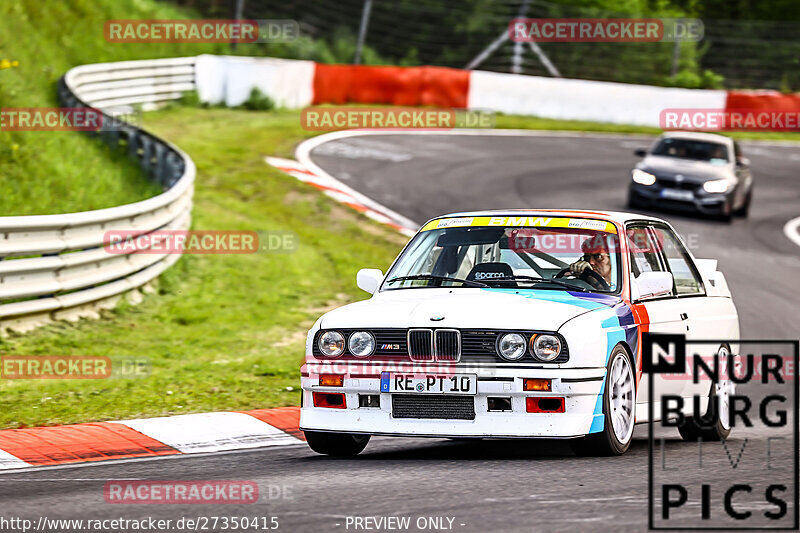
{"x":511,"y":346}
{"x":716,"y":186}
{"x":545,"y":347}
{"x":331,"y":343}
{"x":361,"y":344}
{"x":641,"y":177}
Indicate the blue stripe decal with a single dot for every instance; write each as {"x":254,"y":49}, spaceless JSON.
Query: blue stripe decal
{"x":564,"y":297}
{"x":598,"y":420}
{"x":616,"y":334}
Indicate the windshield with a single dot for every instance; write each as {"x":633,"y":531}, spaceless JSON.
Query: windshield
{"x":571,"y":252}
{"x":690,"y":149}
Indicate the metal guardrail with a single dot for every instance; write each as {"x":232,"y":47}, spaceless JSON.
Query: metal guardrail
{"x":55,"y":266}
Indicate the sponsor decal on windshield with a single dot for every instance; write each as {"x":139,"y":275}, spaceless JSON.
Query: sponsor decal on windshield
{"x":522,"y":221}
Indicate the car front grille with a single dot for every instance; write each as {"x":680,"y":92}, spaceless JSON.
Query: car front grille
{"x":451,"y":345}
{"x":433,"y":406}
{"x":672,"y":183}
{"x":448,"y":345}
{"x":420,"y":344}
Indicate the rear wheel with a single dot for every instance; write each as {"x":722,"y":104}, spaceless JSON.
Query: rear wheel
{"x":715,"y":424}
{"x":336,"y":444}
{"x":619,"y":402}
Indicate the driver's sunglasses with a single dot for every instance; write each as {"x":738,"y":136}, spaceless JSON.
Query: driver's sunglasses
{"x":596,"y":257}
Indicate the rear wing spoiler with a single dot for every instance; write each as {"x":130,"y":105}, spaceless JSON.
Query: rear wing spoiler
{"x":714,"y":280}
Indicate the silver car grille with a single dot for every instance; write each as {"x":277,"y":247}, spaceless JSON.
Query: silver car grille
{"x":434,"y":345}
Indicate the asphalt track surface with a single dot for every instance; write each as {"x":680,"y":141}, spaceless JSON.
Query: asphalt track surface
{"x":495,"y":485}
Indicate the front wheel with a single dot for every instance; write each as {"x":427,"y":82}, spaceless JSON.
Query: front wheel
{"x":336,"y":444}
{"x":715,"y":424}
{"x":619,"y":403}
{"x":726,"y":213}
{"x":744,"y":211}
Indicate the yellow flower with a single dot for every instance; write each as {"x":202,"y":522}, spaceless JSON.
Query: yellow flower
{"x":5,"y":63}
{"x":15,"y":147}
{"x":15,"y":63}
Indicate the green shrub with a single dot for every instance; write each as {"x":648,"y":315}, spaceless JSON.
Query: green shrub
{"x":258,"y":101}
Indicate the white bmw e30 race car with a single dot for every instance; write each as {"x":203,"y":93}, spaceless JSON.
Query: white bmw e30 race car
{"x":516,"y":324}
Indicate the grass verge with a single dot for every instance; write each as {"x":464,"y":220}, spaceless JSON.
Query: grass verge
{"x":226,"y":332}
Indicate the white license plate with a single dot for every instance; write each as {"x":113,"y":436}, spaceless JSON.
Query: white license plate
{"x":677,"y":194}
{"x":416,"y":384}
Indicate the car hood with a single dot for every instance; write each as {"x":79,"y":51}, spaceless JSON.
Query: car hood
{"x":669,"y":167}
{"x":467,"y":308}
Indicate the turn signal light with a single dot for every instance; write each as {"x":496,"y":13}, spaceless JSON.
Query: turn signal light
{"x":541,"y":385}
{"x":536,"y":404}
{"x":332,"y":400}
{"x":331,"y":380}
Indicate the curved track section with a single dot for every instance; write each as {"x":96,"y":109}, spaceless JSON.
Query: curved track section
{"x":425,"y":175}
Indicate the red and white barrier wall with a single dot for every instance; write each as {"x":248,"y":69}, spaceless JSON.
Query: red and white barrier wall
{"x":297,"y":84}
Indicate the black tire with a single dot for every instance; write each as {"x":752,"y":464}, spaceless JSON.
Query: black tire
{"x":336,"y":444}
{"x":633,"y":203}
{"x":709,"y":427}
{"x":606,"y":442}
{"x":726,"y":215}
{"x":744,"y":211}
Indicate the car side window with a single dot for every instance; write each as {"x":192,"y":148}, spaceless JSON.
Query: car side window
{"x":687,"y":280}
{"x":643,"y":251}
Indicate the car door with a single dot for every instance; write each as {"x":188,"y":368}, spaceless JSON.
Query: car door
{"x":664,"y":312}
{"x":707,"y":318}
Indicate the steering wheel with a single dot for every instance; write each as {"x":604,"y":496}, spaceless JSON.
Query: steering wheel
{"x":587,"y":273}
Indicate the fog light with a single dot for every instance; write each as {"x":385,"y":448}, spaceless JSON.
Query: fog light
{"x":499,"y":404}
{"x":369,"y":400}
{"x":331,"y":380}
{"x":542,"y":385}
{"x":332,"y":400}
{"x":535,"y":404}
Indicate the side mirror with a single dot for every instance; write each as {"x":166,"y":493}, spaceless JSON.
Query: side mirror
{"x":369,"y":279}
{"x":640,"y":152}
{"x":742,"y":162}
{"x":651,"y":284}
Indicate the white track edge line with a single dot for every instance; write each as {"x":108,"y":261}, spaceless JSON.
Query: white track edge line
{"x":792,"y":230}
{"x":303,"y":155}
{"x":110,"y":462}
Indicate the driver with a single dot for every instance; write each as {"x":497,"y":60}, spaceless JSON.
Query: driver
{"x":595,"y":257}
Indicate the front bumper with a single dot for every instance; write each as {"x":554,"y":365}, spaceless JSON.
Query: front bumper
{"x":705,"y":203}
{"x":580,"y":388}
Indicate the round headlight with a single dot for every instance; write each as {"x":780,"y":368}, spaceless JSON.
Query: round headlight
{"x":546,"y":347}
{"x":511,"y":346}
{"x":361,"y":343}
{"x":331,"y":343}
